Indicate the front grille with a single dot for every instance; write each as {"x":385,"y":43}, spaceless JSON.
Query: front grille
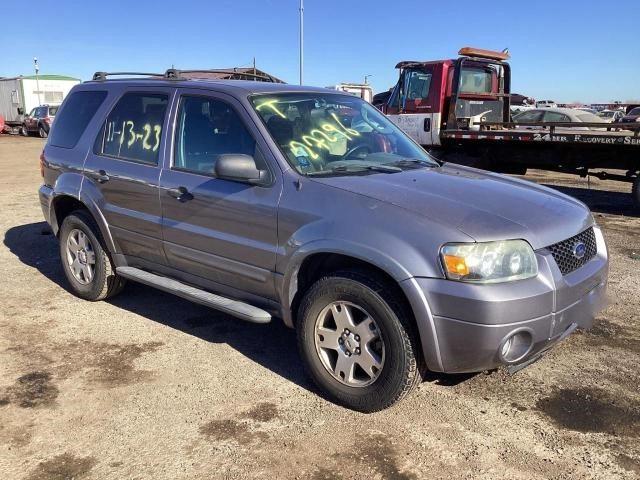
{"x":563,"y":252}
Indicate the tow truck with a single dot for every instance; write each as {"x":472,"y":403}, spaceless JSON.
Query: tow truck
{"x":459,"y":110}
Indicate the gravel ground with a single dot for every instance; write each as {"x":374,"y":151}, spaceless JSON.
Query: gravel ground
{"x":150,"y":386}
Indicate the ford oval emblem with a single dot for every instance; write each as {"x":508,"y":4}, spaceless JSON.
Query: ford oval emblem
{"x":579,"y":249}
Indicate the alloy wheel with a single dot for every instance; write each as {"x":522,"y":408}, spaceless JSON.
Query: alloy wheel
{"x":349,"y":344}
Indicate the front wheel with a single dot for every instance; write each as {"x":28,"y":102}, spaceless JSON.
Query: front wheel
{"x":358,"y":341}
{"x":23,"y":131}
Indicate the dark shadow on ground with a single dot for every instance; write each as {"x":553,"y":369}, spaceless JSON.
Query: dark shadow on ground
{"x":602,"y":201}
{"x":273,"y":345}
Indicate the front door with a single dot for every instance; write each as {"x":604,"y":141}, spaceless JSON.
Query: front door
{"x":221,"y":231}
{"x":414,"y":106}
{"x":123,"y":169}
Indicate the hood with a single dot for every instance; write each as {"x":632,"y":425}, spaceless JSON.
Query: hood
{"x":483,"y":205}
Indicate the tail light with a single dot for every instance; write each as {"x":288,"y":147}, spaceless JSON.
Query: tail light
{"x":43,"y":160}
{"x":47,"y":119}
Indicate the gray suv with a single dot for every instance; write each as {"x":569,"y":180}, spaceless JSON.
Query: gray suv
{"x":268,"y":200}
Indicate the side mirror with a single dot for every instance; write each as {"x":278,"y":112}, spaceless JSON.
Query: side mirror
{"x":240,"y":168}
{"x":21,"y":111}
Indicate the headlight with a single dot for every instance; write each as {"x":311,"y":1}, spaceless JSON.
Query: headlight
{"x":489,"y":262}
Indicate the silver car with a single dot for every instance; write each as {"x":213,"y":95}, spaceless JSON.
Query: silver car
{"x":275,"y":201}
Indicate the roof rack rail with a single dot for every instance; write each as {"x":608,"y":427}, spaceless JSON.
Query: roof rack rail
{"x":233,"y":73}
{"x":100,"y":76}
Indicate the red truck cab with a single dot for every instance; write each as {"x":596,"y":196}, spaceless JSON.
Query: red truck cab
{"x":450,"y":94}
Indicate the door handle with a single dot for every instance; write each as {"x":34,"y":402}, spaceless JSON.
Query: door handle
{"x":181,"y":194}
{"x":100,"y":176}
{"x":427,"y":124}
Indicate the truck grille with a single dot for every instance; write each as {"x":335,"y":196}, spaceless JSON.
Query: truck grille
{"x":563,"y":252}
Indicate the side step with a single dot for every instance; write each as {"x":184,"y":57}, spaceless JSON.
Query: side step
{"x":238,"y":309}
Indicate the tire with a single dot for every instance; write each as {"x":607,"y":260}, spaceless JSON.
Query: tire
{"x":23,"y":131}
{"x":103,"y":282}
{"x":42,"y":132}
{"x":399,"y":372}
{"x":635,"y":192}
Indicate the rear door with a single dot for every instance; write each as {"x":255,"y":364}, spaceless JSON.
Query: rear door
{"x":123,"y":171}
{"x":222,"y":231}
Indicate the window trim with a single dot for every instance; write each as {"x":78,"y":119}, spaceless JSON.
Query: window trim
{"x":174,"y":136}
{"x":98,"y":143}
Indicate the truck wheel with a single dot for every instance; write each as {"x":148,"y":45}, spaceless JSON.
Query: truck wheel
{"x":42,"y":132}
{"x":635,"y":192}
{"x":23,"y":131}
{"x":86,"y":263}
{"x":357,"y":341}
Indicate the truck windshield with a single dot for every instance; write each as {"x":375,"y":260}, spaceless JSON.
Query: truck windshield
{"x":333,"y":134}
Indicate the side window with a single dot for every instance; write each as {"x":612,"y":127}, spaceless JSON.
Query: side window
{"x":533,"y":116}
{"x":78,"y":110}
{"x":418,"y":85}
{"x":208,"y":128}
{"x":134,"y":127}
{"x":555,"y":117}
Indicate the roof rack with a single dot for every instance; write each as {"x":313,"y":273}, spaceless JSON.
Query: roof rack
{"x":100,"y":76}
{"x":176,"y":74}
{"x":233,"y":74}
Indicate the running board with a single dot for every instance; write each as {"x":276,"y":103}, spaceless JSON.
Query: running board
{"x":238,"y":309}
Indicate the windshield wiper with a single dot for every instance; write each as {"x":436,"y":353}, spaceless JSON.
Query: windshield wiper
{"x":410,"y":162}
{"x":358,"y":168}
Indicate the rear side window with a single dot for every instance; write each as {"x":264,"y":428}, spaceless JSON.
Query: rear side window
{"x":134,"y":127}
{"x":78,"y":111}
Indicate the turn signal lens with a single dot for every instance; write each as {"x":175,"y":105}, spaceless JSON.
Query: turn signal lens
{"x":455,"y":265}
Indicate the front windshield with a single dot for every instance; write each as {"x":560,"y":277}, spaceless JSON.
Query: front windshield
{"x":337,"y":135}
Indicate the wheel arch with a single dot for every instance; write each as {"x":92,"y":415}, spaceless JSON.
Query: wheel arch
{"x":312,"y":263}
{"x":64,"y":204}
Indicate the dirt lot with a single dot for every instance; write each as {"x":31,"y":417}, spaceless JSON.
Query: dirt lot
{"x":150,"y":386}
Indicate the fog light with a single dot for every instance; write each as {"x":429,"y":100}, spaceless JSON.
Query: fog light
{"x":516,"y":346}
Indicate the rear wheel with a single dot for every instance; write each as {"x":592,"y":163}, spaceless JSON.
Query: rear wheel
{"x":42,"y":132}
{"x":357,"y":341}
{"x":86,"y":263}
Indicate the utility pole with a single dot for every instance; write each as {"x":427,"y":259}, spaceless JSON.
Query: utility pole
{"x":366,"y":79}
{"x":35,"y":64}
{"x":301,"y":39}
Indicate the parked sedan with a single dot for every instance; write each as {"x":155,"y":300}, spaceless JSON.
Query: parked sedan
{"x":611,"y":116}
{"x":556,"y":115}
{"x":632,"y":116}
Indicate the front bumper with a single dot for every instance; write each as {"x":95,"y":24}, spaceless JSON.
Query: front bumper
{"x":472,"y":322}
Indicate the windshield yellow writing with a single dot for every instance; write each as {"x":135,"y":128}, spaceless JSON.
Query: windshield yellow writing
{"x":271,"y":104}
{"x":324,"y":138}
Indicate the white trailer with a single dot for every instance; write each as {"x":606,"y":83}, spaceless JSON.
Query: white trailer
{"x":362,"y":90}
{"x":20,"y":95}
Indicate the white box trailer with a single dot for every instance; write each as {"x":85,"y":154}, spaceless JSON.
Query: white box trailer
{"x":362,"y":90}
{"x":19,"y":95}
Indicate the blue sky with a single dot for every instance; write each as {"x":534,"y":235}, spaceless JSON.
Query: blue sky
{"x":562,"y":50}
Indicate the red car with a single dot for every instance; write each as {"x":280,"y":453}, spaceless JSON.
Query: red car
{"x":39,"y":121}
{"x":632,"y":115}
